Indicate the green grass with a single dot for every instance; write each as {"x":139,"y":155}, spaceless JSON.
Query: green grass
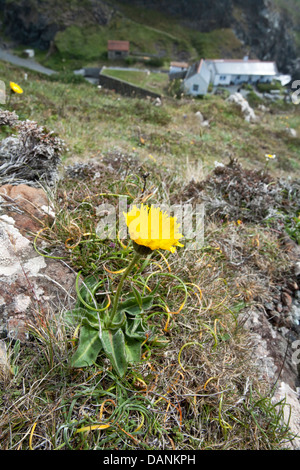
{"x":196,"y":386}
{"x":157,"y":82}
{"x":195,"y":44}
{"x":84,"y":43}
{"x":79,"y":45}
{"x":171,"y":129}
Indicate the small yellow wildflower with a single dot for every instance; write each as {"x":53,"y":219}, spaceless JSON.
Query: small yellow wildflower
{"x":153,"y":228}
{"x":15,"y":88}
{"x":270,"y":156}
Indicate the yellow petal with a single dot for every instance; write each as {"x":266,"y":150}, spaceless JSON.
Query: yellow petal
{"x":153,"y":228}
{"x":15,"y":88}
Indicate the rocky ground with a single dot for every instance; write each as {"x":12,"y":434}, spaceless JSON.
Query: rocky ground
{"x":32,"y":283}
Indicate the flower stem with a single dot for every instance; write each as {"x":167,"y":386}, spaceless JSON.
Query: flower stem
{"x":119,"y":288}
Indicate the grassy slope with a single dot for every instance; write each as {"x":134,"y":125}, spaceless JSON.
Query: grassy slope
{"x":217,"y":43}
{"x":157,"y":82}
{"x":168,"y":401}
{"x":83,"y":44}
{"x":172,"y":130}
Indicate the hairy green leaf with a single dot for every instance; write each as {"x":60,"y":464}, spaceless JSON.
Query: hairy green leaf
{"x":114,"y":347}
{"x":88,"y":349}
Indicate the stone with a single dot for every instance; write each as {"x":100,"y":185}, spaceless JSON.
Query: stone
{"x":30,"y":284}
{"x":199,"y":115}
{"x":269,"y":306}
{"x":28,"y":206}
{"x":286,"y":299}
{"x":291,"y":412}
{"x":31,"y":155}
{"x":5,"y":369}
{"x":292,"y":286}
{"x":263,"y":108}
{"x":243,"y":104}
{"x":157,"y":102}
{"x":291,"y":132}
{"x":271,"y":351}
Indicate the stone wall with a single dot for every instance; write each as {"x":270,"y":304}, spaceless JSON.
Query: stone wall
{"x":125,"y":88}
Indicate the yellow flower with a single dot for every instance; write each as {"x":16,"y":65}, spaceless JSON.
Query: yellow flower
{"x":153,"y":228}
{"x":15,"y":88}
{"x":269,"y":156}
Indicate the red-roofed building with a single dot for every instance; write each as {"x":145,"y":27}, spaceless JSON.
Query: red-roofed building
{"x":117,"y":49}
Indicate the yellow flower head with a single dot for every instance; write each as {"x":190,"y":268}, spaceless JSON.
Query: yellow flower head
{"x":269,"y":156}
{"x":15,"y":88}
{"x":153,"y":228}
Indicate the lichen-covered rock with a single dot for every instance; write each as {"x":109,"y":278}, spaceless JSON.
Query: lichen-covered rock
{"x":30,"y":284}
{"x":244,"y":106}
{"x":32,"y":156}
{"x":30,"y":207}
{"x":291,"y":412}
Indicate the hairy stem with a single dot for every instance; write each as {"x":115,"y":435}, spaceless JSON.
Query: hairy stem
{"x":119,"y":288}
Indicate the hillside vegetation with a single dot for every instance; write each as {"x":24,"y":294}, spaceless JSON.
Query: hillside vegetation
{"x":197,"y":386}
{"x":81,"y":37}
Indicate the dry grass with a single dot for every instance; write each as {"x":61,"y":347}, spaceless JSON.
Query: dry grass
{"x":197,"y":387}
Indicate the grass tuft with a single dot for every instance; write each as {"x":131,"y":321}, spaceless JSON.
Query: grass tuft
{"x":197,"y":385}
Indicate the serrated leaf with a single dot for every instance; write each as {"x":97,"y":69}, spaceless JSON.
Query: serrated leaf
{"x":88,"y":348}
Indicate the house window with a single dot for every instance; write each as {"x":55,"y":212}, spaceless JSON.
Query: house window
{"x":222,"y":77}
{"x":195,"y":87}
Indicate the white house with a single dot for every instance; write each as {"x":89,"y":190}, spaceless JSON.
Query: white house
{"x":235,"y":72}
{"x":197,"y":79}
{"x":178,"y":70}
{"x":224,"y":72}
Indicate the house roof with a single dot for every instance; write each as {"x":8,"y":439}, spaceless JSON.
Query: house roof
{"x":243,"y":67}
{"x":193,"y":69}
{"x":181,"y":65}
{"x":118,"y":46}
{"x":199,"y":68}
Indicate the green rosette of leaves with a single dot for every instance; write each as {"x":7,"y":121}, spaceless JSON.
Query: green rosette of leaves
{"x":120,"y":330}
